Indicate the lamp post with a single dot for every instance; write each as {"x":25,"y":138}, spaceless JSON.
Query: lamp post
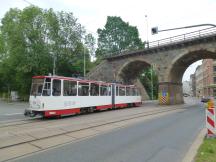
{"x":54,"y":62}
{"x":155,"y":30}
{"x":84,"y":64}
{"x":54,"y":65}
{"x":151,"y":82}
{"x":147,"y":42}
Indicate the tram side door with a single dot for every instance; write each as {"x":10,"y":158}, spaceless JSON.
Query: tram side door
{"x":113,"y":95}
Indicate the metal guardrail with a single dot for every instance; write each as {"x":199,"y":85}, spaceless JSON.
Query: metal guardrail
{"x":183,"y":37}
{"x":199,"y":34}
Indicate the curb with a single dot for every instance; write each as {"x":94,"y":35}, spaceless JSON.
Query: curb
{"x":190,"y":155}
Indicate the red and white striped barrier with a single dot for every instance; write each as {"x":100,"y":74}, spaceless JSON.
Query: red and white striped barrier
{"x":210,"y":122}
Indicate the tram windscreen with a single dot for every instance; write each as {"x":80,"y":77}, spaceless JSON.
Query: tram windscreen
{"x":37,"y":86}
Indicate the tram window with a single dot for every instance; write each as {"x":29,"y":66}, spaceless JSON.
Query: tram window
{"x":94,"y":90}
{"x":117,"y":90}
{"x":47,"y":87}
{"x":48,"y":80}
{"x":128,"y":91}
{"x":109,"y":90}
{"x":37,"y":86}
{"x":70,"y":88}
{"x":121,"y":91}
{"x":133,"y":92}
{"x":83,"y":89}
{"x":56,"y":87}
{"x":103,"y":90}
{"x":137,"y":92}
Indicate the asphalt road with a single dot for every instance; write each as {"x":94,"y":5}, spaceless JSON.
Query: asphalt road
{"x":12,"y":110}
{"x":163,"y":139}
{"x":15,"y":110}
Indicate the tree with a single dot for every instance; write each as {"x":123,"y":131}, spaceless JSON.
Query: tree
{"x":147,"y":80}
{"x":65,"y":41}
{"x":117,"y":36}
{"x":25,"y":48}
{"x":29,"y":41}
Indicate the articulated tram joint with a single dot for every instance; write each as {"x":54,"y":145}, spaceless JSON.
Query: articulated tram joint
{"x":29,"y":113}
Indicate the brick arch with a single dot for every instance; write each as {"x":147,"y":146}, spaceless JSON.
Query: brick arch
{"x":129,"y":71}
{"x":133,"y":67}
{"x":179,"y":65}
{"x":172,"y":85}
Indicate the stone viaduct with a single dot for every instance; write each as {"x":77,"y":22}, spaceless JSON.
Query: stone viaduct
{"x":169,"y":58}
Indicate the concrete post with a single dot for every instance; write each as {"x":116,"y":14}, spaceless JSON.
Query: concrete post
{"x":170,"y":93}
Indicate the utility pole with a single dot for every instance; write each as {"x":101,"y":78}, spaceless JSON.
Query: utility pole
{"x":152,"y":86}
{"x":54,"y":65}
{"x":84,"y":63}
{"x":147,"y":41}
{"x":54,"y":62}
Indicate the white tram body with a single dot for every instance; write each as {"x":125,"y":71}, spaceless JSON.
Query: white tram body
{"x":57,"y":96}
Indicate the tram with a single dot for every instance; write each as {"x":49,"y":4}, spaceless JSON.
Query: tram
{"x":60,"y":96}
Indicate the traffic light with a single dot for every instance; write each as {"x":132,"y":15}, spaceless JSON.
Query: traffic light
{"x":154,"y":30}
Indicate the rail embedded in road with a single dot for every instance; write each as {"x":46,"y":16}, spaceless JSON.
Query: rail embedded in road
{"x":67,"y":132}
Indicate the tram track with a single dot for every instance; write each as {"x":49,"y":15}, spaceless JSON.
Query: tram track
{"x":37,"y":145}
{"x":17,"y":122}
{"x":20,"y":122}
{"x":127,"y":118}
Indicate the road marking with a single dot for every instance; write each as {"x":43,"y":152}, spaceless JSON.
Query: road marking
{"x":12,"y":114}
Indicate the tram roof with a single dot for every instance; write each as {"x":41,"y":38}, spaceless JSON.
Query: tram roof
{"x":79,"y":79}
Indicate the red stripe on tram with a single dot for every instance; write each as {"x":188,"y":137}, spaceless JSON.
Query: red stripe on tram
{"x":61,"y":112}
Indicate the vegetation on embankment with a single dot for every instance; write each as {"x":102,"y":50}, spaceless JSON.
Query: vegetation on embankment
{"x":207,"y":151}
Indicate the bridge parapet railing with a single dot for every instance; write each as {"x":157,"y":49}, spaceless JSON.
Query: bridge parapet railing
{"x":203,"y":33}
{"x":183,"y":37}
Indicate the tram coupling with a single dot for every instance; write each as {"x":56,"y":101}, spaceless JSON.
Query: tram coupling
{"x":29,"y":113}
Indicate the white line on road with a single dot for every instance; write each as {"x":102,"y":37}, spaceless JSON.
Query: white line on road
{"x":12,"y":114}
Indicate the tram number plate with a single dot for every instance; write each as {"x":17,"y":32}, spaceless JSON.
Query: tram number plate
{"x":69,"y":103}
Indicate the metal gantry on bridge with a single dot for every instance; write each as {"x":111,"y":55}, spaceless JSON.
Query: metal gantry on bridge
{"x":195,"y":36}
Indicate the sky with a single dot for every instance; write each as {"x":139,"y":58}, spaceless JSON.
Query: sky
{"x":144,"y":14}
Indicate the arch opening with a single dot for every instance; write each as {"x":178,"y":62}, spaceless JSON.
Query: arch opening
{"x":176,"y":70}
{"x":140,"y":73}
{"x":180,"y":66}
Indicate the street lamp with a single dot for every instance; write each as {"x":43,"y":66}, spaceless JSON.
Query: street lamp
{"x":54,"y":65}
{"x":84,"y":63}
{"x":151,"y":82}
{"x":155,"y":30}
{"x":54,"y":62}
{"x":147,"y":42}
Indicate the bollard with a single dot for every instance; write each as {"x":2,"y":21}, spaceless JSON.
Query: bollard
{"x":210,"y":119}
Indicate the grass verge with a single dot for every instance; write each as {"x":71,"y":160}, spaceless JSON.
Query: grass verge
{"x":207,"y":151}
